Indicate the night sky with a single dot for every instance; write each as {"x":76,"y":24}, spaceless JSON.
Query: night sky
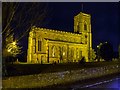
{"x":104,"y":19}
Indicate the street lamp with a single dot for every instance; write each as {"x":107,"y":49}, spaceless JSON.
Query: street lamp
{"x":97,"y":46}
{"x":14,"y":43}
{"x":98,"y":50}
{"x":106,"y":42}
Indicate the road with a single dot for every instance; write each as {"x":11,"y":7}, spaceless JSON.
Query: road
{"x":104,"y":82}
{"x":111,"y":82}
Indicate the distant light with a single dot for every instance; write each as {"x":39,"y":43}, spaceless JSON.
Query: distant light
{"x":14,"y":43}
{"x":97,"y":46}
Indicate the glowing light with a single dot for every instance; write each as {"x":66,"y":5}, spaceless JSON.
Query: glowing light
{"x":9,"y":50}
{"x":63,"y":53}
{"x":13,"y":49}
{"x":97,"y":46}
{"x":14,"y":43}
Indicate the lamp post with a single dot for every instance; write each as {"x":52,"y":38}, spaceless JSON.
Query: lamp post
{"x":98,"y":51}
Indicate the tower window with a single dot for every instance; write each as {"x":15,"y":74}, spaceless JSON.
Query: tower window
{"x":85,"y":39}
{"x":39,"y":45}
{"x":85,"y":26}
{"x":77,"y":28}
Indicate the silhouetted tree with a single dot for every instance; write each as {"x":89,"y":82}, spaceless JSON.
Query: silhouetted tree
{"x":106,"y":51}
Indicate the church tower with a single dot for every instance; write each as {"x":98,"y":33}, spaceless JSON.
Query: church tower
{"x":82,"y":25}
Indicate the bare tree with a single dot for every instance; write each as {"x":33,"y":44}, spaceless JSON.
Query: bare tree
{"x":19,"y":17}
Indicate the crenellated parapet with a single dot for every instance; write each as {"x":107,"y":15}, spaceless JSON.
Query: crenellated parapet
{"x":56,"y":35}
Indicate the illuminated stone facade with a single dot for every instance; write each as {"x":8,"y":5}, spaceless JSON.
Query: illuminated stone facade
{"x":49,"y":46}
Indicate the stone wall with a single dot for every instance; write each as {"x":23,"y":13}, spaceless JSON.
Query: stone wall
{"x":43,"y":80}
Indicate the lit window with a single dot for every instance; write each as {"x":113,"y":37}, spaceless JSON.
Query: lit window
{"x":63,"y":53}
{"x":53,"y":51}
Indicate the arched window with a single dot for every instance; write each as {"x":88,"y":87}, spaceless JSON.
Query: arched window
{"x":72,"y":52}
{"x":53,"y":51}
{"x":85,"y":26}
{"x":60,"y":53}
{"x":80,"y":54}
{"x":77,"y":55}
{"x":63,"y":50}
{"x":85,"y":39}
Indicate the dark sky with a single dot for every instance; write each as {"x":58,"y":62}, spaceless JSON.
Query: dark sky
{"x":105,"y":16}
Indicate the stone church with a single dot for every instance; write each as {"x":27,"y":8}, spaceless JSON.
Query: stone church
{"x":46,"y":46}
